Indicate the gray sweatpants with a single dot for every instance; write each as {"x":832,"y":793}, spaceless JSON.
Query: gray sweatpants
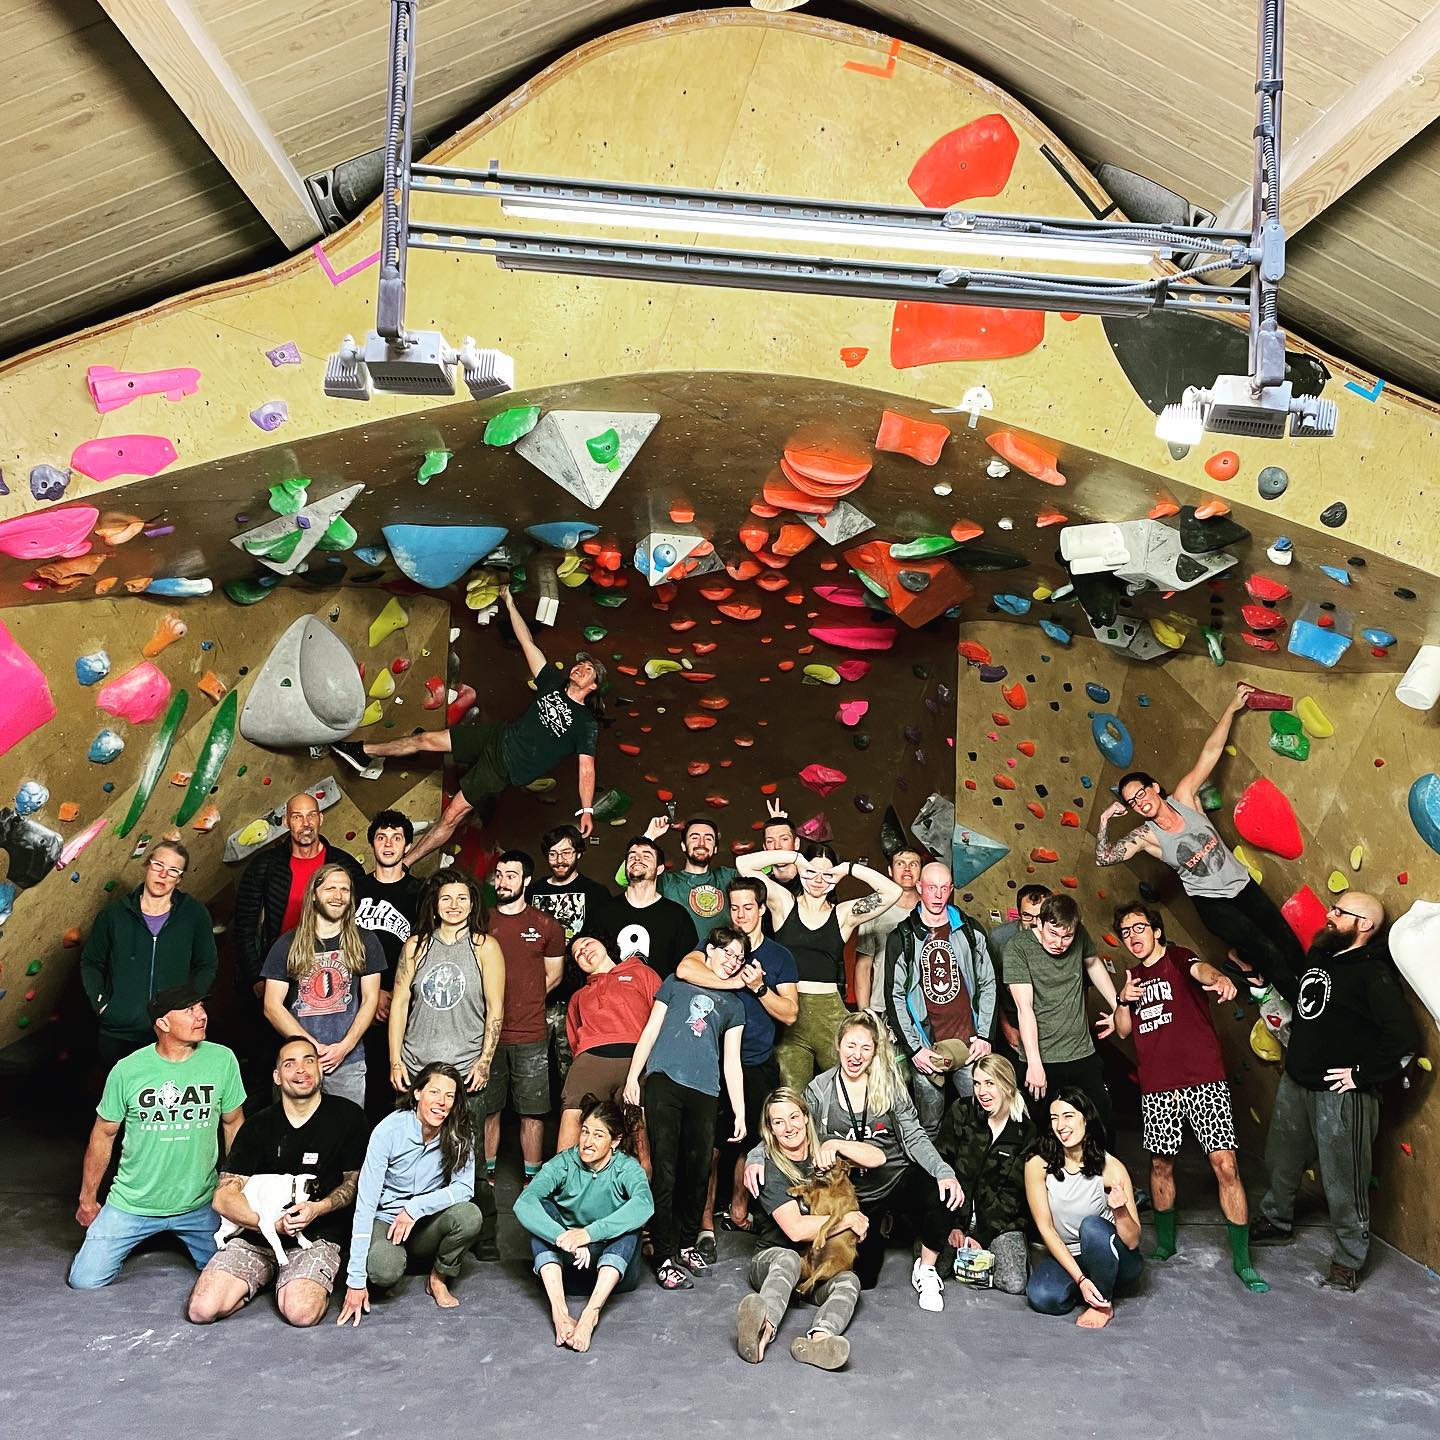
{"x":775,"y":1271}
{"x":1338,"y":1130}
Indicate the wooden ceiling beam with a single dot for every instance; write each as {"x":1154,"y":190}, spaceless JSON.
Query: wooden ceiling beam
{"x":173,"y":43}
{"x":1384,"y":109}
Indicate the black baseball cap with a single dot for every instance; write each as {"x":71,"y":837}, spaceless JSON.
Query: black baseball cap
{"x":175,"y":997}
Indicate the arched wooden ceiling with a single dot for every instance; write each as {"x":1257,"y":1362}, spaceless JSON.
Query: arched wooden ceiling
{"x":114,"y":197}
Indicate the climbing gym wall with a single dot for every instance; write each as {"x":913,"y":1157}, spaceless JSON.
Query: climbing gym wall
{"x":795,"y":480}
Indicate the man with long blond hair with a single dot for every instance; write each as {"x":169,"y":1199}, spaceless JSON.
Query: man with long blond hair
{"x":322,"y":981}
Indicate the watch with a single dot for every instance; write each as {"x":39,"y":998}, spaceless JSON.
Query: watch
{"x":762,"y":991}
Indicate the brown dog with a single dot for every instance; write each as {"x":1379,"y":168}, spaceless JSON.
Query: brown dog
{"x":828,"y":1193}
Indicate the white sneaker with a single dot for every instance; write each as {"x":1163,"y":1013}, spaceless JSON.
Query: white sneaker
{"x":928,"y":1286}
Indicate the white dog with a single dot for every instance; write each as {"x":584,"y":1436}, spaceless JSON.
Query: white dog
{"x":270,"y":1196}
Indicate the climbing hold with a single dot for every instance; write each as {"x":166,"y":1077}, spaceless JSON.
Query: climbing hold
{"x":853,"y":670}
{"x":510,"y":425}
{"x":271,"y":415}
{"x":1248,"y":861}
{"x":974,"y":652}
{"x":1171,"y":637}
{"x":1321,"y":643}
{"x":159,"y":752}
{"x":139,"y":695}
{"x":1098,"y":693}
{"x":30,"y":797}
{"x":51,"y":533}
{"x":370,"y":714}
{"x":1013,"y":604}
{"x":1210,"y":797}
{"x":1210,"y":509}
{"x":1264,"y":817}
{"x":1305,"y":913}
{"x":168,"y":629}
{"x":921,"y":440}
{"x":105,"y":747}
{"x":1268,"y":700}
{"x":1262,"y":618}
{"x":68,"y":811}
{"x":1336,"y":573}
{"x":1424,"y":807}
{"x":308,"y":691}
{"x":851,"y":637}
{"x":1003,"y":782}
{"x":1286,"y":737}
{"x":391,"y":618}
{"x":993,"y":675}
{"x":1015,"y":696}
{"x":432,"y":465}
{"x":48,"y":482}
{"x":92,"y":667}
{"x":1041,"y":856}
{"x":1334,"y":516}
{"x":923,"y":547}
{"x":1058,"y":633}
{"x":1027,"y":455}
{"x":28,"y":703}
{"x":437,"y":555}
{"x":1112,"y":739}
{"x":459,"y":706}
{"x":1282,"y":552}
{"x":1036,"y":809}
{"x":1381,"y":639}
{"x":1200,"y":536}
{"x":173,"y":587}
{"x":123,"y":455}
{"x":1313,"y":718}
{"x":1265,"y":1046}
{"x":851,"y":712}
{"x":1337,"y":883}
{"x":383,"y":685}
{"x":1272,"y":482}
{"x":1224,"y":465}
{"x":211,"y":759}
{"x":1213,"y":644}
{"x":1262,"y":587}
{"x":822,"y":779}
{"x":821,"y":675}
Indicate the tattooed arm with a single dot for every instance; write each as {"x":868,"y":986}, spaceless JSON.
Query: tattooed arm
{"x":884,"y":893}
{"x":1128,"y":846}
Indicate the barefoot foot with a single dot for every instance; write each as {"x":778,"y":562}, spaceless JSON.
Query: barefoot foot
{"x":584,"y":1328}
{"x":1092,"y":1319}
{"x":440,"y":1292}
{"x":564,"y":1326}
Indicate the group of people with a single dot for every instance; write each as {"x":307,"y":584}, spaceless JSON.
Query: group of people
{"x":695,"y":1032}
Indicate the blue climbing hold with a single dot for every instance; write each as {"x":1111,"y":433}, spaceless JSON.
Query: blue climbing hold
{"x":1380,"y":639}
{"x":1315,"y":642}
{"x":1098,"y":693}
{"x":92,"y":667}
{"x":1425,"y":809}
{"x":1086,"y":782}
{"x":8,"y":892}
{"x":371,"y":555}
{"x":437,"y":555}
{"x":562,"y":534}
{"x":1112,"y":739}
{"x":105,"y":747}
{"x":1337,"y":574}
{"x":30,"y":797}
{"x":1143,"y":701}
{"x":177,"y":587}
{"x":972,"y":854}
{"x":1058,"y":633}
{"x":1013,"y":604}
{"x":1148,"y":893}
{"x":1283,"y":543}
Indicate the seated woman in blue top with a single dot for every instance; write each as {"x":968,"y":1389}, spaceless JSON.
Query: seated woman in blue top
{"x":1083,"y":1206}
{"x":413,"y":1204}
{"x":584,"y":1210}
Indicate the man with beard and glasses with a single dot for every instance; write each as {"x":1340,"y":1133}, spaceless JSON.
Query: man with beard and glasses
{"x":1351,"y":1032}
{"x":307,"y":1133}
{"x":322,"y":981}
{"x":534,"y":949}
{"x":640,"y":922}
{"x":699,"y":884}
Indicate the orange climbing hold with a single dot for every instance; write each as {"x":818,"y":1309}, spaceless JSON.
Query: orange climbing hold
{"x":698,"y":677}
{"x":831,"y":465}
{"x":117,"y":529}
{"x":1035,"y":808}
{"x":925,"y":333}
{"x":681,"y":513}
{"x":793,"y":538}
{"x":1027,"y":455}
{"x":788,"y":497}
{"x":683,"y":624}
{"x":696,"y":721}
{"x":211,"y":685}
{"x":742,"y":570}
{"x":921,"y":440}
{"x":753,"y":537}
{"x":852,"y":355}
{"x":763,"y":511}
{"x":1015,"y":696}
{"x":1003,"y":782}
{"x":1041,"y":856}
{"x":716,"y":593}
{"x":716,"y":801}
{"x":713,"y":702}
{"x":1224,"y":465}
{"x":68,"y":811}
{"x":1026,"y":748}
{"x":207,"y":818}
{"x":1050,"y":517}
{"x":1070,"y":882}
{"x":739,"y":610}
{"x":963,"y":530}
{"x":1070,"y":819}
{"x":627,"y":747}
{"x":1209,"y":509}
{"x":168,"y":629}
{"x":999,"y":717}
{"x":1164,"y":507}
{"x":771,"y":582}
{"x":697,"y":768}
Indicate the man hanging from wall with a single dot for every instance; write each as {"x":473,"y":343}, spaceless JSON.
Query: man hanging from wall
{"x":1352,"y":1031}
{"x":560,"y":721}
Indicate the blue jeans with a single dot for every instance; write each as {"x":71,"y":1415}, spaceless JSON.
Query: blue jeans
{"x":622,"y":1254}
{"x":114,"y":1233}
{"x":1105,"y":1260}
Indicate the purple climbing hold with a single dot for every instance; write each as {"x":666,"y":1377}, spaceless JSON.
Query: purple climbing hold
{"x":271,"y":415}
{"x":992,"y":674}
{"x":47,"y":482}
{"x":864,"y":804}
{"x":286,"y":354}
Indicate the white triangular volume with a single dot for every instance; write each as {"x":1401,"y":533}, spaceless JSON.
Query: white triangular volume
{"x":318,"y":515}
{"x":308,"y":691}
{"x":661,"y":551}
{"x":839,"y":525}
{"x":564,"y":444}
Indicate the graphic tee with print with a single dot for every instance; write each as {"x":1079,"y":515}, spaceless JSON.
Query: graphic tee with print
{"x":1175,"y":1040}
{"x":661,"y":933}
{"x":171,"y":1111}
{"x":326,"y":999}
{"x":552,"y":727}
{"x":388,"y":911}
{"x":690,"y":1044}
{"x":702,"y":895}
{"x":942,"y":983}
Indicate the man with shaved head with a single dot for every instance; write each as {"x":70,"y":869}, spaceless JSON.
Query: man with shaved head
{"x":939,"y":993}
{"x":1352,"y":1031}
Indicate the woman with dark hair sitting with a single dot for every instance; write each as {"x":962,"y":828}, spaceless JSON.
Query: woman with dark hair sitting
{"x":987,"y":1138}
{"x":791,"y":1153}
{"x":414,"y":1201}
{"x":584,"y":1210}
{"x":1084,"y":1208}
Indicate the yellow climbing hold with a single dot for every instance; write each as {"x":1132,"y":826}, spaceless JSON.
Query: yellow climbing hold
{"x":1167,"y":635}
{"x":1256,"y":873}
{"x":1313,"y":718}
{"x":569,"y":571}
{"x":371,"y":715}
{"x":1254,"y":1114}
{"x":392,"y":618}
{"x":1041,"y":592}
{"x":654,"y":669}
{"x":1264,"y":1043}
{"x":1336,"y":883}
{"x":383,"y":685}
{"x":253,"y":833}
{"x":541,"y":786}
{"x":821,"y":675}
{"x":1357,"y":857}
{"x":1424,"y":1064}
{"x":1231,"y":751}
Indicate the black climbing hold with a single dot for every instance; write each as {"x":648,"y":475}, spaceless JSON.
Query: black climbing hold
{"x":1272,"y":482}
{"x":1404,"y":594}
{"x":914,"y":580}
{"x":1356,"y":562}
{"x":920,"y":672}
{"x":1334,"y":515}
{"x":1200,"y":537}
{"x":861,"y":741}
{"x":1098,"y":595}
{"x":968,"y":558}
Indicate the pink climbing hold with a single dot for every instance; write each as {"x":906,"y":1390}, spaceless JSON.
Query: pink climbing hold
{"x":822,"y":779}
{"x":139,"y":695}
{"x":49,"y":533}
{"x":1264,"y":817}
{"x":974,"y":160}
{"x":853,"y":670}
{"x":123,"y":455}
{"x":851,"y":712}
{"x":817,"y":827}
{"x":111,"y":388}
{"x":855,"y":637}
{"x":851,"y":596}
{"x":28,"y":703}
{"x":78,"y":843}
{"x":1305,"y":912}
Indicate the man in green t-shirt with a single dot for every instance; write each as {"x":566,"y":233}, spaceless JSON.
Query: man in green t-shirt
{"x":173,"y":1098}
{"x":700,"y":884}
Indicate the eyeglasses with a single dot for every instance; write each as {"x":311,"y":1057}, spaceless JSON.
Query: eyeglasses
{"x":562,"y":852}
{"x":1133,"y":798}
{"x":1337,"y":910}
{"x":161,"y":868}
{"x":1137,"y":929}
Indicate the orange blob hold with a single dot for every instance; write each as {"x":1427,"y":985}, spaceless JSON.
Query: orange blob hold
{"x":1070,"y":882}
{"x":117,"y":529}
{"x":1208,"y":509}
{"x":793,"y":538}
{"x":1015,"y":696}
{"x":207,"y":818}
{"x":825,"y":464}
{"x":1070,"y":819}
{"x":744,"y":741}
{"x":1035,"y":808}
{"x":681,"y":513}
{"x":105,"y":586}
{"x":716,"y":801}
{"x":786,"y":665}
{"x":1223,"y":466}
{"x":1027,"y":455}
{"x":713,"y":702}
{"x":68,"y":811}
{"x":738,"y":610}
{"x":697,"y":677}
{"x":777,"y":492}
{"x":682,"y":625}
{"x":999,"y":717}
{"x":136,"y":584}
{"x":664,"y":795}
{"x":743,"y":570}
{"x":1026,"y":748}
{"x":771,"y":582}
{"x":963,"y":530}
{"x":753,"y":537}
{"x":168,"y":629}
{"x":1050,"y":517}
{"x":704,"y":647}
{"x":628,"y":669}
{"x":1041,"y":856}
{"x":970,"y":785}
{"x":852,"y":355}
{"x":974,"y":652}
{"x":1004,"y":782}
{"x":764,"y":511}
{"x":699,"y":722}
{"x":716,"y":593}
{"x":921,"y":440}
{"x":625,"y":747}
{"x":71,"y":938}
{"x":665,"y":593}
{"x":1163,"y":507}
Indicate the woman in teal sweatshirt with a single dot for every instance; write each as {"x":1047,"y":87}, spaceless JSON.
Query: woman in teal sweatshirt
{"x":584,"y":1211}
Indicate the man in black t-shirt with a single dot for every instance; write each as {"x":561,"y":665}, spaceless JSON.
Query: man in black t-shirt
{"x":308,"y":1132}
{"x":642,"y":923}
{"x":386,"y":902}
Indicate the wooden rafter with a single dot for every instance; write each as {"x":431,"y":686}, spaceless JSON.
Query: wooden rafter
{"x":172,"y":41}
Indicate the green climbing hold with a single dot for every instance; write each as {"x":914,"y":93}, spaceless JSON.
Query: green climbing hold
{"x":861,"y":741}
{"x":212,"y":757}
{"x":604,"y":448}
{"x":22,"y":1022}
{"x":277,"y":547}
{"x":612,"y":805}
{"x":156,"y":760}
{"x":821,"y":675}
{"x":594,"y":634}
{"x":339,"y":534}
{"x":609,"y":599}
{"x":33,"y":968}
{"x":246,"y":592}
{"x":1212,"y":644}
{"x":511,"y":425}
{"x":434,"y":462}
{"x":1294,"y":747}
{"x":288,"y":497}
{"x":1210,"y":797}
{"x":923,"y":547}
{"x":873,"y":586}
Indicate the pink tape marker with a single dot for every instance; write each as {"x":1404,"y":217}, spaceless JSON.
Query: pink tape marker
{"x":111,"y":388}
{"x":123,"y":455}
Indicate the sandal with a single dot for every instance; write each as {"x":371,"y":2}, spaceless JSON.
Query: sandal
{"x":671,"y":1277}
{"x":693,"y":1260}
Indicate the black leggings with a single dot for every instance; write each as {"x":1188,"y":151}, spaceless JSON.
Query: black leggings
{"x":680,"y":1124}
{"x":1087,"y":1074}
{"x":916,"y":1205}
{"x":1253,"y":924}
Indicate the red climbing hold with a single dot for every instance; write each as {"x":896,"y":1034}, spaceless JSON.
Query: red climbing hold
{"x":699,"y":722}
{"x":697,"y":768}
{"x":1305,"y":913}
{"x":1042,"y":856}
{"x":852,"y":670}
{"x":827,"y":465}
{"x":1258,"y":642}
{"x":1027,"y":455}
{"x":1015,"y":696}
{"x":716,"y":802}
{"x":974,"y":652}
{"x":852,"y":355}
{"x":1222,"y":466}
{"x":1003,"y":782}
{"x":464,"y":699}
{"x":1035,"y":808}
{"x":738,"y":610}
{"x":921,"y":440}
{"x":974,"y":160}
{"x":924,"y":333}
{"x":822,"y":779}
{"x":1262,"y":587}
{"x":626,"y":748}
{"x":999,"y":717}
{"x":1264,"y":817}
{"x":1269,"y":700}
{"x":851,"y":596}
{"x":1026,"y":748}
{"x":1070,"y":882}
{"x":434,"y":693}
{"x":1262,"y":618}
{"x":1070,"y":819}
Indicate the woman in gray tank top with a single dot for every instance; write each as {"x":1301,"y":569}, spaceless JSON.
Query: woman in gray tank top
{"x":1084,"y":1208}
{"x":1175,"y":830}
{"x":449,"y":989}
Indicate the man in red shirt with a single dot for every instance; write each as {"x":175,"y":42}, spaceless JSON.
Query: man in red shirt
{"x":534,"y":948}
{"x":1182,"y":1074}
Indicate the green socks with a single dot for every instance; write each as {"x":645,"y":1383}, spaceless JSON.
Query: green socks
{"x":1165,"y":1235}
{"x":531,"y":1171}
{"x":1240,"y":1258}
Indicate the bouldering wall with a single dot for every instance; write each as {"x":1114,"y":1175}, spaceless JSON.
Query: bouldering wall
{"x":83,"y":844}
{"x":1348,"y":797}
